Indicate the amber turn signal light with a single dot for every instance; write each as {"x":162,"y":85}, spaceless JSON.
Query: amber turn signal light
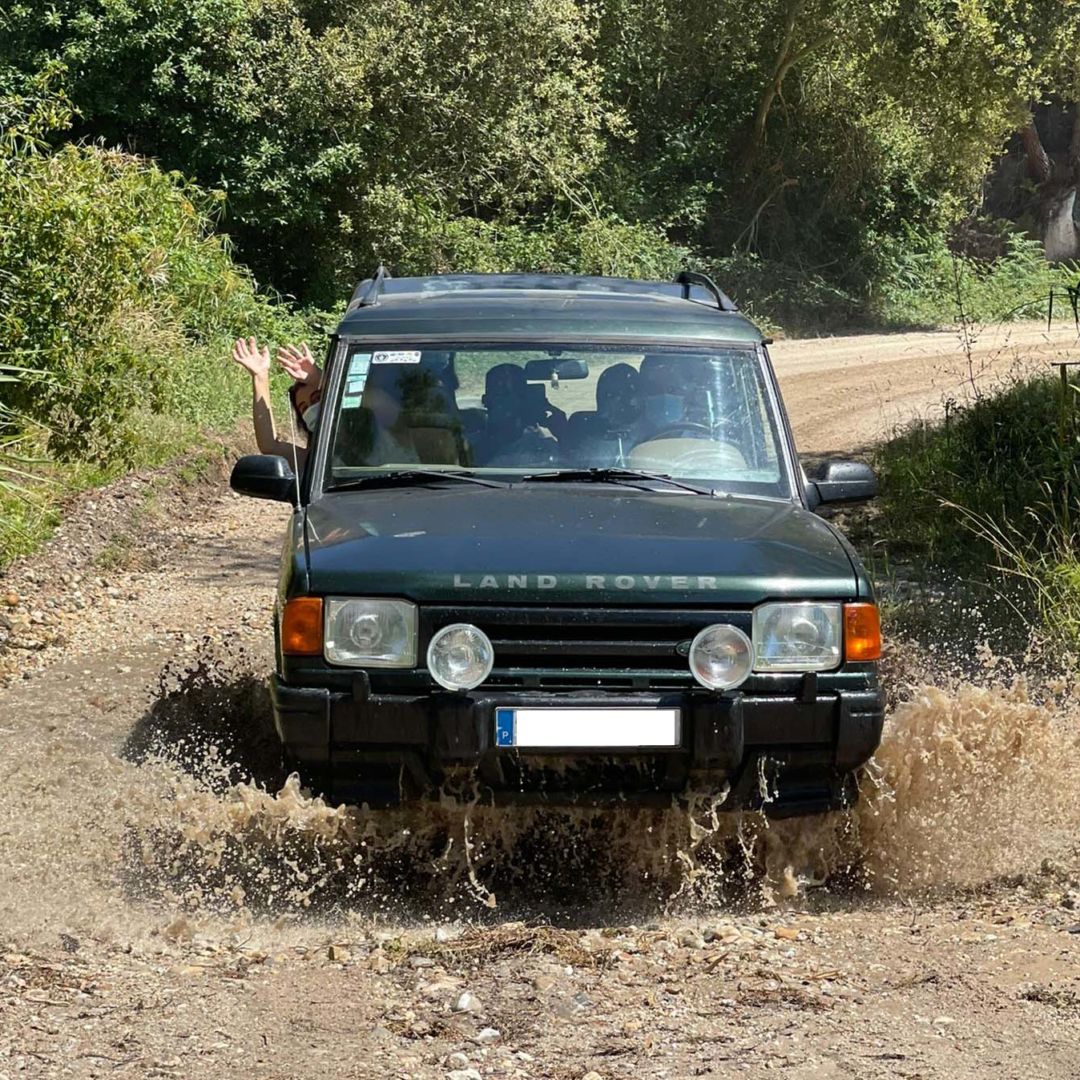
{"x":862,"y":632}
{"x":302,"y":626}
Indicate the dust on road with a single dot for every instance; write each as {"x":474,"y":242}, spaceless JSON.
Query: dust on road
{"x":162,"y":915}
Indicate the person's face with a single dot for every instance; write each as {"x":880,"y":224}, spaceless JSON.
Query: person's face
{"x":307,"y":404}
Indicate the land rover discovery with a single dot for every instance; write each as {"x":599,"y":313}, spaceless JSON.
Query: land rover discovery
{"x":553,"y":543}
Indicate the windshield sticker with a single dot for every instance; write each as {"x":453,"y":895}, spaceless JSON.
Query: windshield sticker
{"x":355,"y":378}
{"x":396,"y":357}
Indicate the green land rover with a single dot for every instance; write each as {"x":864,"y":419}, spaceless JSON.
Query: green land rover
{"x":552,"y":543}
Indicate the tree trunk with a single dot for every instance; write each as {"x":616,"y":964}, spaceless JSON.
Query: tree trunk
{"x":787,"y":57}
{"x":1056,"y":184}
{"x":780,"y":69}
{"x":1038,"y":160}
{"x":1074,"y":145}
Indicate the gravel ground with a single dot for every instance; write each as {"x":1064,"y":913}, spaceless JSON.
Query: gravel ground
{"x":159,"y":916}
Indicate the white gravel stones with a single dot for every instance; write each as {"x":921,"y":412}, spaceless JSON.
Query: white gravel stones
{"x":467,"y":1003}
{"x":691,"y":939}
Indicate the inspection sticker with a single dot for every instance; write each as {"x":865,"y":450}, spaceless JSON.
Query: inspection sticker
{"x":396,"y":357}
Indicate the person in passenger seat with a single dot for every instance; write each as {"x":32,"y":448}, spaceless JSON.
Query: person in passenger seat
{"x":429,"y":408}
{"x":512,"y":436}
{"x":618,"y":413}
{"x":304,"y":395}
{"x":618,"y":398}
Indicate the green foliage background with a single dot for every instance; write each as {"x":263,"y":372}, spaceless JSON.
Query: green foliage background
{"x":117,"y":307}
{"x":116,"y":299}
{"x":811,"y":138}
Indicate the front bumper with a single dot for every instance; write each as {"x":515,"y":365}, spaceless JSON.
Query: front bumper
{"x":794,"y":751}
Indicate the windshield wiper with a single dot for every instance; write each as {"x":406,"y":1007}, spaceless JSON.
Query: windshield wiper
{"x":406,"y":477}
{"x":614,"y":476}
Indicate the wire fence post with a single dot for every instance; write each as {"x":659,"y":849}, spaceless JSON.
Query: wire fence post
{"x":1066,"y":435}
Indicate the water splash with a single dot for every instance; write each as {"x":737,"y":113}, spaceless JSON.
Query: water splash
{"x":970,"y":783}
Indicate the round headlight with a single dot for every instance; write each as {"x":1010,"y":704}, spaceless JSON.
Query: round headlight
{"x":721,"y":657}
{"x":460,"y":656}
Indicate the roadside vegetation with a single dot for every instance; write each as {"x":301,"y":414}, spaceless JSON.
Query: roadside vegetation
{"x":117,"y":306}
{"x":993,"y":496}
{"x":824,"y":156}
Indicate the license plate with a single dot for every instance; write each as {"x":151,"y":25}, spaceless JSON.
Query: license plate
{"x":595,"y":729}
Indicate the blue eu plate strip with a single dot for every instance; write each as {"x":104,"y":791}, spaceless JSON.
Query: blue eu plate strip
{"x":504,"y":727}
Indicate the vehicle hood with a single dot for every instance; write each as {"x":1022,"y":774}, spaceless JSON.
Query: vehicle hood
{"x":559,"y":543}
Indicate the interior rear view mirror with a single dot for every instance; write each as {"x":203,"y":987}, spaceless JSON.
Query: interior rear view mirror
{"x":555,"y":369}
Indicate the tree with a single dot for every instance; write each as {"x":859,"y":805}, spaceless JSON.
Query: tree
{"x":807,"y":130}
{"x":300,"y":112}
{"x":810,"y":134}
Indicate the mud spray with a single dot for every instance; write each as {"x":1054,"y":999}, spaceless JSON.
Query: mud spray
{"x":971,"y":783}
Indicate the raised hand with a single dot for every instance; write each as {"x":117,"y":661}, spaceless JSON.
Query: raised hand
{"x":247,"y":353}
{"x":300,"y":364}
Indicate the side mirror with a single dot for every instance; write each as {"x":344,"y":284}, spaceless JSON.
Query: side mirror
{"x":844,"y":482}
{"x":264,"y":476}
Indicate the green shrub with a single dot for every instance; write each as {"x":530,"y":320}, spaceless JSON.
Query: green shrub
{"x":992,"y":496}
{"x":922,"y":283}
{"x":1002,"y":459}
{"x":416,"y":237}
{"x":783,"y":295}
{"x":115,"y":293}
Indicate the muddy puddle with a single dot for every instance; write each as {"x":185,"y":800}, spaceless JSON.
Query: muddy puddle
{"x":191,"y":820}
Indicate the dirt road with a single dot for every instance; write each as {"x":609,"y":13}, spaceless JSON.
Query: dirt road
{"x":160,"y":918}
{"x":843,"y":393}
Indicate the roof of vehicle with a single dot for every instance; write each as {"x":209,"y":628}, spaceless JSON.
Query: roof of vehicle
{"x":553,"y":307}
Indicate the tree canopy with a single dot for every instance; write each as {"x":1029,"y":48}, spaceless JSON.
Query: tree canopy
{"x":613,"y":135}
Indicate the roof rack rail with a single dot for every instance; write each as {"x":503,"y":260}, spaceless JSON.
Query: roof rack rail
{"x":370,"y":295}
{"x":687,"y":278}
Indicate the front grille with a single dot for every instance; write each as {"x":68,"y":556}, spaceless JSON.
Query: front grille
{"x":617,"y":648}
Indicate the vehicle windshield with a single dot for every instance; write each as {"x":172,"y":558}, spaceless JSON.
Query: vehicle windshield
{"x":516,"y":411}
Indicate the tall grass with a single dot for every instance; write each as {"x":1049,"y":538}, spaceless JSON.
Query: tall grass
{"x":15,"y":467}
{"x":995,"y":490}
{"x":1003,"y":458}
{"x":1047,"y":566}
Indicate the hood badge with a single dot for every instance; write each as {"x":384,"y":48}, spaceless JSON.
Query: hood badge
{"x":590,"y":582}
